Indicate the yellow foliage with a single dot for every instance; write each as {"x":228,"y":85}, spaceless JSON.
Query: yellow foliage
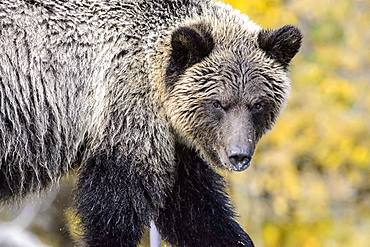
{"x":271,"y":234}
{"x":260,"y":9}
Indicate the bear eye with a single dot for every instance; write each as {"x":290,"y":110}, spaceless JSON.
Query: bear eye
{"x":216,"y":104}
{"x":258,"y":107}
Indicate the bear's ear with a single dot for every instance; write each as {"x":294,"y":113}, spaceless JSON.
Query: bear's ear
{"x":281,"y":44}
{"x":189,"y":45}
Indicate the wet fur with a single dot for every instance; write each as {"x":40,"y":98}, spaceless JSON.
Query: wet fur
{"x":123,"y":91}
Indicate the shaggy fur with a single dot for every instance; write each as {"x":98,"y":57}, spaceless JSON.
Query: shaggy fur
{"x":146,"y":98}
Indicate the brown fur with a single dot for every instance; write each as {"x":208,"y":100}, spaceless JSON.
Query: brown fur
{"x":145,"y":98}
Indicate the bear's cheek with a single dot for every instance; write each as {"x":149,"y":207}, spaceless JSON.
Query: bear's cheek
{"x":223,"y":159}
{"x":211,"y":144}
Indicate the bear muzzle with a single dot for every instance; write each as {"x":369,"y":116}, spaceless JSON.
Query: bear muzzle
{"x":239,"y":158}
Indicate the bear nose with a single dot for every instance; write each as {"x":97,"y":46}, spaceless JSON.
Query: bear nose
{"x":239,"y":158}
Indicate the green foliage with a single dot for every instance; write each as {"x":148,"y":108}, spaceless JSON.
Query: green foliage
{"x":309,"y":184}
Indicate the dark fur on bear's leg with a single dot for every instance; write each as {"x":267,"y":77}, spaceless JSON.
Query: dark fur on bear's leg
{"x":199,"y":213}
{"x":111,"y":203}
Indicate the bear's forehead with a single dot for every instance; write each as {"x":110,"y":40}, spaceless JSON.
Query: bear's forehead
{"x":243,"y":70}
{"x":243,"y":78}
{"x":242,"y":92}
{"x":243,"y":58}
{"x":239,"y":75}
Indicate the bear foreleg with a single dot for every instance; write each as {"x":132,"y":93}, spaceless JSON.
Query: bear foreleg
{"x":112,"y":203}
{"x":198,"y":213}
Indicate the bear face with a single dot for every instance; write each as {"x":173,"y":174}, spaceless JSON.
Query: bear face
{"x":223,"y":97}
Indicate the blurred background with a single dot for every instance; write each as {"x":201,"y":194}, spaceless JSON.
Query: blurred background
{"x":309,"y":182}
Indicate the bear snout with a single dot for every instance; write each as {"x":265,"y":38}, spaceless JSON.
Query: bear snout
{"x":239,"y":157}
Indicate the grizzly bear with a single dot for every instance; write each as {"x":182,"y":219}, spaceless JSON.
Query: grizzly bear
{"x":146,"y":99}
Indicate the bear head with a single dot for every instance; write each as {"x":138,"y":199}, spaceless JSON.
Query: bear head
{"x":225,"y":87}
